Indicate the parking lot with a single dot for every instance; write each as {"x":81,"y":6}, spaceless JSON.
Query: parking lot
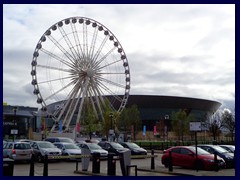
{"x":64,"y":168}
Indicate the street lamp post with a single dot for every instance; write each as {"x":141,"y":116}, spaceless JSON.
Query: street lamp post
{"x":14,"y":121}
{"x":111,"y":128}
{"x":111,"y":118}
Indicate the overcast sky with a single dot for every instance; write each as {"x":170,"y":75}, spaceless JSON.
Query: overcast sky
{"x":174,"y":50}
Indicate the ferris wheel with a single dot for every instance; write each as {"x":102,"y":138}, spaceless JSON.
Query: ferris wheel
{"x":79,"y":63}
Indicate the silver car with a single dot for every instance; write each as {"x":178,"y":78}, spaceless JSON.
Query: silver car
{"x":42,"y":148}
{"x":68,"y":149}
{"x":94,"y":148}
{"x":18,"y":151}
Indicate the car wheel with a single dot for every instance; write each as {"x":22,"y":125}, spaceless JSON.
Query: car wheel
{"x":39,"y":158}
{"x":166,"y":163}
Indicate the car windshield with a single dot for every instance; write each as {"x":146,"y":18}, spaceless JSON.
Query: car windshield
{"x":200,"y":151}
{"x":220,"y":149}
{"x":116,"y":145}
{"x":93,"y":146}
{"x":22,"y":146}
{"x":71,"y":146}
{"x":132,"y":145}
{"x":46,"y":145}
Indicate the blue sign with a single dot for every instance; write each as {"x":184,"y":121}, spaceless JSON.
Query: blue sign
{"x":144,"y":130}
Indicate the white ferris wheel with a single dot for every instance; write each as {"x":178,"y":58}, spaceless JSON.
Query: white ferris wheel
{"x":79,"y":62}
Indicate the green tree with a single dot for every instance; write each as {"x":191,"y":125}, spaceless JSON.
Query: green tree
{"x":180,"y":123}
{"x":130,"y":117}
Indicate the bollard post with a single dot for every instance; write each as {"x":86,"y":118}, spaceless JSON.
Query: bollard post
{"x":31,"y":172}
{"x":152,"y":160}
{"x":215,"y":161}
{"x":170,"y":168}
{"x":111,"y":165}
{"x":96,"y":163}
{"x":45,"y":168}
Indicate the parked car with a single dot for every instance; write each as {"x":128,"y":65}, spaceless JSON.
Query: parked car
{"x":134,"y":148}
{"x":94,"y":148}
{"x":112,"y":147}
{"x":42,"y":148}
{"x":230,"y":148}
{"x":18,"y":151}
{"x":59,"y":139}
{"x":185,"y":156}
{"x":223,"y":153}
{"x":68,"y":149}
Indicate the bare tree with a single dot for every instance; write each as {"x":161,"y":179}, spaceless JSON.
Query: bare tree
{"x":228,"y":119}
{"x":215,"y":124}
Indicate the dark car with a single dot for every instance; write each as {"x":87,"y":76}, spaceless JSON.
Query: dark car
{"x":221,"y":152}
{"x":230,"y":148}
{"x":134,"y":148}
{"x":112,"y":147}
{"x":59,"y":139}
{"x":185,"y":156}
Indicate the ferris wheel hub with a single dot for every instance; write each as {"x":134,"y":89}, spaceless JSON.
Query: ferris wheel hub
{"x":90,"y":72}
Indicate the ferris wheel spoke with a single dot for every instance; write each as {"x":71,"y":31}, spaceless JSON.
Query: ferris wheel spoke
{"x":57,"y":91}
{"x":68,"y":100}
{"x":100,"y":49}
{"x":82,"y":100}
{"x":105,"y":56}
{"x":52,"y":80}
{"x":109,"y":64}
{"x":77,"y":42}
{"x":99,"y":93}
{"x":98,"y":101}
{"x":72,"y":49}
{"x":113,"y":73}
{"x":93,"y":104}
{"x":85,"y":40}
{"x":64,"y":51}
{"x":54,"y":68}
{"x":56,"y":57}
{"x":93,"y":43}
{"x":72,"y":108}
{"x":111,"y":82}
{"x":110,"y":92}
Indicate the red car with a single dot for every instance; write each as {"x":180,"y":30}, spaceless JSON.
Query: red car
{"x":185,"y":156}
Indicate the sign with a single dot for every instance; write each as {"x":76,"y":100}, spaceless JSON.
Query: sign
{"x":195,"y":126}
{"x":144,"y":130}
{"x":14,"y":131}
{"x":154,"y":130}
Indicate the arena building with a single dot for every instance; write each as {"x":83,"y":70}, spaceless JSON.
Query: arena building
{"x":153,"y":109}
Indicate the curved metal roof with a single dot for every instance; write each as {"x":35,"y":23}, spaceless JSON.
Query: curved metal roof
{"x":145,"y":101}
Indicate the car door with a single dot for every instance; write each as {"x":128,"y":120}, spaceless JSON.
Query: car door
{"x":36,"y":150}
{"x":7,"y":148}
{"x":176,"y":160}
{"x":186,"y":158}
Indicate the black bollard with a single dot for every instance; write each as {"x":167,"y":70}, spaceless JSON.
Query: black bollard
{"x":152,"y":160}
{"x":31,"y":172}
{"x":45,"y":168}
{"x":96,"y":163}
{"x":111,"y":165}
{"x":170,"y":168}
{"x":122,"y":164}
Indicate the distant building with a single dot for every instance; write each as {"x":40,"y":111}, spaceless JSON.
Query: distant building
{"x":18,"y":118}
